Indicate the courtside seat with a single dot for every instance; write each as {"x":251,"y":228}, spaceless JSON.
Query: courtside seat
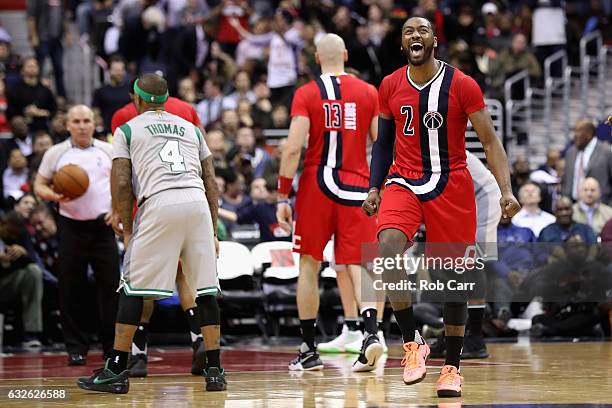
{"x":279,"y":267}
{"x":241,"y":298}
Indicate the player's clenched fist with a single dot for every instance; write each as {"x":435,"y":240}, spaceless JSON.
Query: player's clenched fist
{"x":283,"y":216}
{"x":509,"y":205}
{"x":370,"y":205}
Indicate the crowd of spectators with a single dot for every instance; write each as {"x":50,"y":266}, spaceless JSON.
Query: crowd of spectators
{"x":238,"y":63}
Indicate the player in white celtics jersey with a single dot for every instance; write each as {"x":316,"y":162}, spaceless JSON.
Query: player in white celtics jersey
{"x":162,"y":161}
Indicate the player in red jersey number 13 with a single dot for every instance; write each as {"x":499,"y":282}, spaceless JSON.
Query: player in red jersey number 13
{"x":424,"y":109}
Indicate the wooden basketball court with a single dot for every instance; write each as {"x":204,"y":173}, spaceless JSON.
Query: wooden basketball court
{"x":520,"y":374}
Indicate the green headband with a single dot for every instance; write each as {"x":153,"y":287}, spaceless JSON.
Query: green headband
{"x":148,"y":97}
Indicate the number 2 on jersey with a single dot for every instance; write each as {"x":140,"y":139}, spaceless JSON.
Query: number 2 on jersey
{"x":171,"y":154}
{"x":408,"y":129}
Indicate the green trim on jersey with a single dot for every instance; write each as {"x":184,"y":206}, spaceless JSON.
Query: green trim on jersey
{"x":145,"y":292}
{"x":127,"y":131}
{"x":198,"y":133}
{"x":209,"y":290}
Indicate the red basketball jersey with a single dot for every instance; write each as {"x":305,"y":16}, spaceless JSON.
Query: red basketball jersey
{"x":341,"y":109}
{"x":173,"y":105}
{"x":430,"y":123}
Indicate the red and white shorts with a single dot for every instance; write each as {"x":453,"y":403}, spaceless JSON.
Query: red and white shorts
{"x":318,"y":216}
{"x":449,"y":216}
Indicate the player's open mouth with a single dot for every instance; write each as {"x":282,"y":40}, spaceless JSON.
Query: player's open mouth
{"x":416,"y":49}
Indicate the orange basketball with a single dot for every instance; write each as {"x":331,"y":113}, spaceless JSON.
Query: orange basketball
{"x":71,"y":181}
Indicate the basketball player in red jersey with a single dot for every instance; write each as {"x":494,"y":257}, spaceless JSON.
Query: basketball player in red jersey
{"x":337,"y":111}
{"x":173,"y":105}
{"x":138,"y":357}
{"x":424,"y":109}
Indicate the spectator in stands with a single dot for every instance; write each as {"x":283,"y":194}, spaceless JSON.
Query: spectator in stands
{"x":588,"y":157}
{"x":280,"y":117}
{"x":112,"y":96}
{"x":219,"y":65}
{"x":509,"y":62}
{"x":285,"y":45}
{"x":193,"y":47}
{"x":565,"y":226}
{"x":589,"y":209}
{"x":9,"y":62}
{"x":20,"y":277}
{"x":211,"y":107}
{"x":242,"y":90}
{"x":20,"y":140}
{"x":246,"y":150}
{"x":15,"y":176}
{"x":251,"y":52}
{"x":515,"y":261}
{"x":46,"y":244}
{"x":237,"y":11}
{"x":186,"y":91}
{"x":273,"y":165}
{"x":47,"y":26}
{"x":378,"y":24}
{"x":520,"y":174}
{"x":86,"y":237}
{"x":363,"y":56}
{"x":531,"y":215}
{"x":42,"y":142}
{"x":25,"y":205}
{"x":5,"y":127}
{"x":234,"y":196}
{"x":30,"y":98}
{"x":261,"y":210}
{"x":230,"y":123}
{"x":553,"y":155}
{"x":218,"y":147}
{"x":140,"y":41}
{"x":59,"y":132}
{"x":548,"y":27}
{"x":244,"y":113}
{"x":571,"y":289}
{"x":263,"y":106}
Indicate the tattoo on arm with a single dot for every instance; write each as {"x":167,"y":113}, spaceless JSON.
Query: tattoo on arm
{"x":212,"y":193}
{"x":122,"y":192}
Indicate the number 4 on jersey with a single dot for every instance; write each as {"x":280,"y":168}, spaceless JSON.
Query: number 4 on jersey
{"x":171,"y":154}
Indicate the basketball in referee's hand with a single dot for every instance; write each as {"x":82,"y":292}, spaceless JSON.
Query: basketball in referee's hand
{"x":71,"y":181}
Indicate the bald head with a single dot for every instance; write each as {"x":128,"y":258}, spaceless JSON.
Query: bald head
{"x":589,"y":192}
{"x":80,"y":124}
{"x":331,"y":50}
{"x":80,"y":110}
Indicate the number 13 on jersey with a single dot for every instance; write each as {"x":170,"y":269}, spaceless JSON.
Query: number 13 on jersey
{"x":171,"y":153}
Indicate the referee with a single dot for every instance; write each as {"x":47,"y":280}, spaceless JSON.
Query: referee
{"x":85,"y":237}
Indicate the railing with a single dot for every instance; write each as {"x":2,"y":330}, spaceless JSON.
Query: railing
{"x":589,"y":64}
{"x":554,"y":85}
{"x":472,"y":143}
{"x":518,"y":111}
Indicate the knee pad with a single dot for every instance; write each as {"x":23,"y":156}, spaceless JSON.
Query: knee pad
{"x":455,"y":313}
{"x":130,"y":309}
{"x":208,"y":308}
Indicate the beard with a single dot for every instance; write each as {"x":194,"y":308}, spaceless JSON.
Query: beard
{"x":422,"y":58}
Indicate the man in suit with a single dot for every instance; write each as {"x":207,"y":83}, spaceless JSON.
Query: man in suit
{"x":588,"y":157}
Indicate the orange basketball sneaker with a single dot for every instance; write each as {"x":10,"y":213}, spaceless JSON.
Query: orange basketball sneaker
{"x":414,"y":362}
{"x":449,"y":383}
